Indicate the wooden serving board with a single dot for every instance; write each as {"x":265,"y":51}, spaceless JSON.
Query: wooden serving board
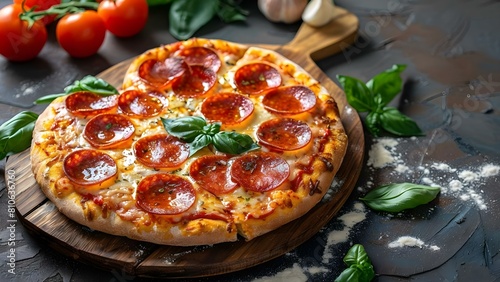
{"x":136,"y":258}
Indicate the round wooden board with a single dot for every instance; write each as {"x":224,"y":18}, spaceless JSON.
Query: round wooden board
{"x":142,"y":259}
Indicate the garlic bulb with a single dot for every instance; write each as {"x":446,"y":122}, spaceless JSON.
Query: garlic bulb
{"x":287,"y":11}
{"x":318,"y":12}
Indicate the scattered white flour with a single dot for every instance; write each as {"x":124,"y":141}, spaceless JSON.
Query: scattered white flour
{"x":383,"y":153}
{"x":490,"y":170}
{"x":464,"y":184}
{"x":301,"y":273}
{"x":401,"y":168}
{"x":349,"y":220}
{"x":293,"y":274}
{"x":408,"y":241}
{"x":468,"y":175}
{"x":456,"y":185}
{"x":443,"y":167}
{"x":317,"y":270}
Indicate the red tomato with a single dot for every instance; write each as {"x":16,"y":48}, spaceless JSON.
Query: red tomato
{"x":124,"y":18}
{"x":81,"y":34}
{"x":40,"y":5}
{"x":17,"y":41}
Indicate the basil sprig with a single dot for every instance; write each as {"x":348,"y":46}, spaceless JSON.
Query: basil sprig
{"x":196,"y":131}
{"x":373,"y":98}
{"x":186,"y":17}
{"x":359,"y":266}
{"x":16,"y":133}
{"x":88,"y":83}
{"x":400,"y":196}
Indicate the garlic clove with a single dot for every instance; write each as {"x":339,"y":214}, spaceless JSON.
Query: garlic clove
{"x":286,"y":11}
{"x":318,"y":12}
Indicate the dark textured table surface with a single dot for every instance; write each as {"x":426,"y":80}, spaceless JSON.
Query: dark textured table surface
{"x":452,"y":90}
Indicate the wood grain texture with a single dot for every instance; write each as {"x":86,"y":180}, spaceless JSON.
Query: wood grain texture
{"x":149,"y":260}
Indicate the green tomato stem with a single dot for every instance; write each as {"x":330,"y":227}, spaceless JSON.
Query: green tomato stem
{"x":59,"y":10}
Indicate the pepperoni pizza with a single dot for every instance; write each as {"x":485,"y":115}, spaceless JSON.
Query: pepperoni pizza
{"x":207,"y":141}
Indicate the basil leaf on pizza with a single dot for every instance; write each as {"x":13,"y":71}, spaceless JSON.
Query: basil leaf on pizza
{"x":92,"y":84}
{"x":233,"y":142}
{"x":186,"y":128}
{"x":199,"y":142}
{"x":89,"y":84}
{"x":373,"y":98}
{"x":196,"y":131}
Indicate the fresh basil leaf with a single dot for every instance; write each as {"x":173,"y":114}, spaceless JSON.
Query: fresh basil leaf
{"x":186,"y":128}
{"x":186,"y":17}
{"x":229,"y":11}
{"x":92,"y":84}
{"x":356,"y":255}
{"x":397,"y":123}
{"x":212,"y":128}
{"x":200,"y":142}
{"x":357,"y":94}
{"x":372,"y":122}
{"x":195,"y":130}
{"x":359,"y":266}
{"x":386,"y":85}
{"x":233,"y":142}
{"x":350,"y":274}
{"x":16,"y":133}
{"x":373,"y":97}
{"x":88,"y":83}
{"x":49,"y":98}
{"x":400,"y":196}
{"x":158,"y":2}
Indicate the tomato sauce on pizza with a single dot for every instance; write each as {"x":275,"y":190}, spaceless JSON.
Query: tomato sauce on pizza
{"x":261,"y":149}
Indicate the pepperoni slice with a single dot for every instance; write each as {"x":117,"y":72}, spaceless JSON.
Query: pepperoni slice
{"x":165,"y":194}
{"x":161,"y":151}
{"x":212,"y":174}
{"x":228,"y":108}
{"x":139,"y":104}
{"x":298,"y":99}
{"x":162,"y":73}
{"x":90,"y":168}
{"x":108,"y":131}
{"x":88,"y":104}
{"x":260,"y":172}
{"x":195,"y":83}
{"x":202,"y":56}
{"x":284,"y":134}
{"x":257,"y":77}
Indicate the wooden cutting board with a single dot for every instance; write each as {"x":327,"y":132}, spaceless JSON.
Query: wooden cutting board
{"x":115,"y":253}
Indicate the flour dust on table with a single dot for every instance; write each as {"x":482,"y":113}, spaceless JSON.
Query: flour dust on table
{"x":463,"y":183}
{"x":409,"y":241}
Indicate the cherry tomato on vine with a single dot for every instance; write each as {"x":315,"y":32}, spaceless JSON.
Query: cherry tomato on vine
{"x":17,"y":41}
{"x":40,"y":5}
{"x":124,"y":18}
{"x":81,"y":34}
